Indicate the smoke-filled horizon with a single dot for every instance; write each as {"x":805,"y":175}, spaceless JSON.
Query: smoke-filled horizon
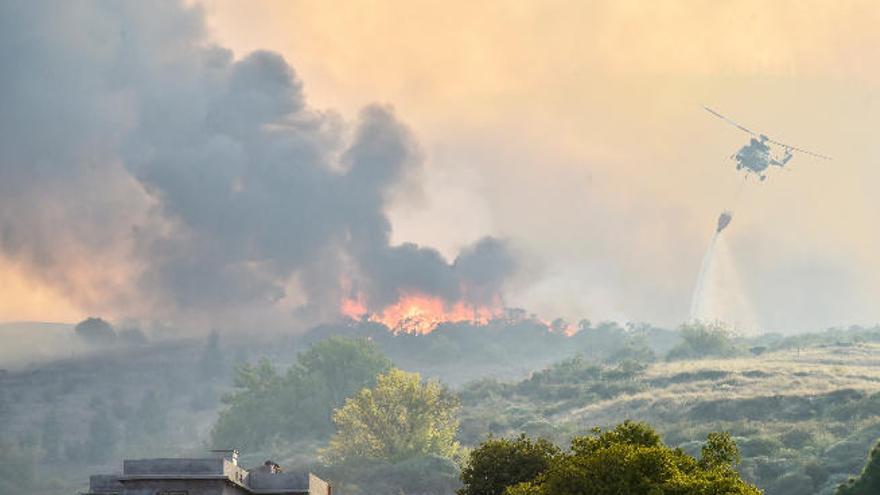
{"x":576,"y":130}
{"x":227,"y":161}
{"x":146,"y":172}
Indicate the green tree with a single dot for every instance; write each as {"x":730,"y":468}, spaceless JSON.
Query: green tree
{"x":869,"y":481}
{"x":331,"y":371}
{"x":524,"y":488}
{"x":253,"y":411}
{"x":300,"y":403}
{"x":400,"y":417}
{"x":631,"y":458}
{"x":720,"y":451}
{"x":499,"y":463}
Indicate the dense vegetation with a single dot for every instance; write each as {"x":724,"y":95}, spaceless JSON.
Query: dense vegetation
{"x":397,"y":437}
{"x":699,"y":341}
{"x":630,"y":458}
{"x":397,"y":419}
{"x":868,"y":483}
{"x":803,"y":411}
{"x":499,"y":463}
{"x":267,"y":406}
{"x":502,"y":408}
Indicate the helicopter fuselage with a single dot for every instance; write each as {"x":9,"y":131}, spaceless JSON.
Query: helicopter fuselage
{"x":754,"y":157}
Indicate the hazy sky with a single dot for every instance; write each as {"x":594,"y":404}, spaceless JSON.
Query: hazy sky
{"x":574,"y":129}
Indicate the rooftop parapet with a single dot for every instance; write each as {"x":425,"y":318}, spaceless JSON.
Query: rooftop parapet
{"x":140,"y":474}
{"x":173,"y":466}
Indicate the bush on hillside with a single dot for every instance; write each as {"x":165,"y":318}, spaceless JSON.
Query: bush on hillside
{"x":704,"y":340}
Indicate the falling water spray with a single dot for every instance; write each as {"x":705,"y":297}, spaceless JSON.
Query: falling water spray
{"x":698,"y":298}
{"x":719,"y":294}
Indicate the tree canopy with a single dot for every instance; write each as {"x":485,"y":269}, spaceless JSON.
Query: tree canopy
{"x":868,"y":483}
{"x":299,"y":404}
{"x":499,"y":463}
{"x":631,"y":458}
{"x":399,"y":418}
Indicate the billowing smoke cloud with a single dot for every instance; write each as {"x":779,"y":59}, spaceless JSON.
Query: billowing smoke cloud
{"x":143,"y":168}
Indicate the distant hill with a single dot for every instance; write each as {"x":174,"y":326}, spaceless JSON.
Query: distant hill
{"x":30,"y":341}
{"x":37,"y":326}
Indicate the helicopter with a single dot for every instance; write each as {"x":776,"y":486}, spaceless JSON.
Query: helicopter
{"x":757,"y":156}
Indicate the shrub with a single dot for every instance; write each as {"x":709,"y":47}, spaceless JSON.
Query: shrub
{"x":704,"y":340}
{"x":797,"y":438}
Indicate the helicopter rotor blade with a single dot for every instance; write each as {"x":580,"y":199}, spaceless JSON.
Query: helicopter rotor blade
{"x":799,"y":150}
{"x":753,"y":133}
{"x":730,"y":121}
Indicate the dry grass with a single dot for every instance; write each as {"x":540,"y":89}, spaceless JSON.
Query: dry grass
{"x":677,"y":385}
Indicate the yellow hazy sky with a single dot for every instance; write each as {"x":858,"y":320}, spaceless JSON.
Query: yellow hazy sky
{"x":575,"y":129}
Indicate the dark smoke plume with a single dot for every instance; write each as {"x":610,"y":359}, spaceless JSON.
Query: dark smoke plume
{"x":144,"y":168}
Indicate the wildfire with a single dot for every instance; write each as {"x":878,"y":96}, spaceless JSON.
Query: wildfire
{"x":419,"y":314}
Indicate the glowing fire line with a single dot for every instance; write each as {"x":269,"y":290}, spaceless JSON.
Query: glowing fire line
{"x":419,"y":313}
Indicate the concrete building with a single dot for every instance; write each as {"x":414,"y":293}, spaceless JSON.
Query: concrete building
{"x":220,"y":475}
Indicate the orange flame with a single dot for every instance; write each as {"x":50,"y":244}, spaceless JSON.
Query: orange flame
{"x":353,"y":308}
{"x":420,"y":314}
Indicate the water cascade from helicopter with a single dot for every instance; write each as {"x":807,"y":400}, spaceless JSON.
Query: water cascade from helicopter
{"x":717,"y":289}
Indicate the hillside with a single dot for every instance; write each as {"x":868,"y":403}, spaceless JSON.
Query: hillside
{"x":804,"y":412}
{"x":36,"y":341}
{"x":804,"y":420}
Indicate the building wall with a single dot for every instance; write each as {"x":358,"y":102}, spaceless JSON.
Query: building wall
{"x":202,"y":477}
{"x":104,"y":483}
{"x":190,"y":487}
{"x":278,"y":481}
{"x":317,"y":486}
{"x":174,"y":466}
